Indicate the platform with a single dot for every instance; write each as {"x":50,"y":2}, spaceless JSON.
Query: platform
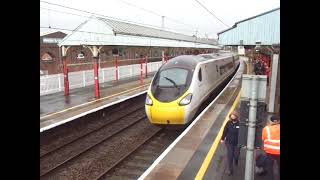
{"x":56,"y":109}
{"x":217,"y":169}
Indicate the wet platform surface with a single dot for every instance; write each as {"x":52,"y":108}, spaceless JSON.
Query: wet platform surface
{"x":56,"y":102}
{"x":56,"y":107}
{"x":218,"y":169}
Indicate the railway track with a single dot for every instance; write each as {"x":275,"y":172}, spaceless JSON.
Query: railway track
{"x":139,"y":159}
{"x":60,"y":136}
{"x":92,"y":160}
{"x":67,"y":144}
{"x":71,"y":150}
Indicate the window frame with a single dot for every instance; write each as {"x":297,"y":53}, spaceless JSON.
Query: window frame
{"x":186,"y":76}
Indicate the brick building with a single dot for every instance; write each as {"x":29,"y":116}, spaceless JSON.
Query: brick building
{"x":49,"y":52}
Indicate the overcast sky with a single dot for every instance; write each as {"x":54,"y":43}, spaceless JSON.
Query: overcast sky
{"x":189,"y":14}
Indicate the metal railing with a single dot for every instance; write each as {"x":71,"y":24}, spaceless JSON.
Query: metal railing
{"x":55,"y":83}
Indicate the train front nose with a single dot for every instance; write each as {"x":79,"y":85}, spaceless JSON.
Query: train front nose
{"x":165,"y":113}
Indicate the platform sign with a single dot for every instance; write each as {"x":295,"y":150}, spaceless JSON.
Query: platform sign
{"x":261,"y":119}
{"x":260,"y":109}
{"x":247,"y":86}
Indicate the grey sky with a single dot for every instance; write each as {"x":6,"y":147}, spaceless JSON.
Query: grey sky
{"x":185,"y":11}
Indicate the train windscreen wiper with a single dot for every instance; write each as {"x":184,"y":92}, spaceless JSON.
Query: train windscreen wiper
{"x":175,"y":85}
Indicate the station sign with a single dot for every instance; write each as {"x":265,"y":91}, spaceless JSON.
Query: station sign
{"x":247,"y":86}
{"x":51,"y":40}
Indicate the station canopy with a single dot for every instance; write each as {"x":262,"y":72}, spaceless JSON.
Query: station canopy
{"x":263,"y":29}
{"x":103,"y":32}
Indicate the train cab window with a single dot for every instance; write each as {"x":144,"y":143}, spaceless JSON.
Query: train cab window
{"x":200,"y":75}
{"x":170,"y":84}
{"x":173,"y":77}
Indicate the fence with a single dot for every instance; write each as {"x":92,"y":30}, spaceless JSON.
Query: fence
{"x":55,"y":83}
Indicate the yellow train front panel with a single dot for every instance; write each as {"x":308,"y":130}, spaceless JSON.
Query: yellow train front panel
{"x":166,"y":113}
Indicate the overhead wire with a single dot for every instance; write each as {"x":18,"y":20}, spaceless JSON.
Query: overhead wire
{"x":152,"y":12}
{"x":64,"y":12}
{"x":211,"y":13}
{"x":109,"y":17}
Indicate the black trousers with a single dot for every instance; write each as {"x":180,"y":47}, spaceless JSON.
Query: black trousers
{"x":266,"y":161}
{"x":275,"y":158}
{"x":233,"y":153}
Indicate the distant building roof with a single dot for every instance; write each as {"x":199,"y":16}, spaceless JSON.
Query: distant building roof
{"x":47,"y":33}
{"x":44,"y":33}
{"x":235,"y":24}
{"x":102,"y":31}
{"x":263,"y":28}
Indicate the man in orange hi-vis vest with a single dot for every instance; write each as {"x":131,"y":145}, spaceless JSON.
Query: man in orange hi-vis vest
{"x":271,"y":146}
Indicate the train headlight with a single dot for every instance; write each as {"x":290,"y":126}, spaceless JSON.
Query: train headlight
{"x":186,"y":100}
{"x":149,"y":101}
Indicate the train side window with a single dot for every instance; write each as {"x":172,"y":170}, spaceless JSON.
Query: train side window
{"x":217,"y":68}
{"x":200,"y":75}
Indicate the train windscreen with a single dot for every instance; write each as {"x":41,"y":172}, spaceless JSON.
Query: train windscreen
{"x":173,"y":77}
{"x":169,"y":84}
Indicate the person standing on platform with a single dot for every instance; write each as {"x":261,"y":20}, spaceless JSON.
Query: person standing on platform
{"x":230,"y":137}
{"x":267,"y":72}
{"x":258,"y":67}
{"x":271,"y":145}
{"x":262,"y":68}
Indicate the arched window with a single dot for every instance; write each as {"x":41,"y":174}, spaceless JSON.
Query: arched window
{"x":80,"y":55}
{"x":47,"y":57}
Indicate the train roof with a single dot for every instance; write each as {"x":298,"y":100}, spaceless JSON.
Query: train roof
{"x":190,"y":61}
{"x":186,"y":61}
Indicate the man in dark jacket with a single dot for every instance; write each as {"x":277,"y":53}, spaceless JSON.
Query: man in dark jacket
{"x":230,"y":137}
{"x":257,"y":67}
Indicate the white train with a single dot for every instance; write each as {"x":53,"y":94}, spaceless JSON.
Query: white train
{"x":183,"y":83}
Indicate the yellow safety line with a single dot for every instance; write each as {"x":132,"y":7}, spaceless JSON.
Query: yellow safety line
{"x":92,"y":101}
{"x":215,"y":144}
